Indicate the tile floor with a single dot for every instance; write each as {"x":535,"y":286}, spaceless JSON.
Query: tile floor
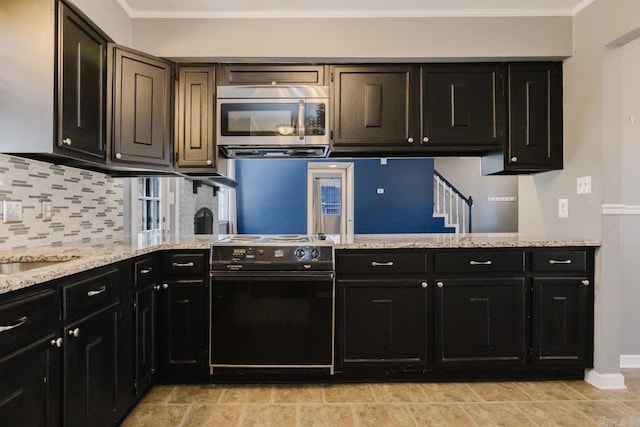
{"x":557,"y":403}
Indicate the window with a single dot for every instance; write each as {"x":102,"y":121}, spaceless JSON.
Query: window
{"x":149,"y":212}
{"x":331,"y":194}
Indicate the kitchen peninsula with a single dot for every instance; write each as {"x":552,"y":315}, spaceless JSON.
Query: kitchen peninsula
{"x":115,"y":316}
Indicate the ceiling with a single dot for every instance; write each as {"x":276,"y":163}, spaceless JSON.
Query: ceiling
{"x":347,"y":8}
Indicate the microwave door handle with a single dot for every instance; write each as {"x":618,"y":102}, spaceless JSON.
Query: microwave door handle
{"x":301,"y":120}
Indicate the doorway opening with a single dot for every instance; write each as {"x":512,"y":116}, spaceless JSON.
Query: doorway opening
{"x":330,"y":198}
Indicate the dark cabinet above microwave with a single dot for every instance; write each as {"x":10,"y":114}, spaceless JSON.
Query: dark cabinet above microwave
{"x":252,"y":74}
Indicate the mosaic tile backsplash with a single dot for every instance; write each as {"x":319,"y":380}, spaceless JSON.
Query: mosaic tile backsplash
{"x":86,"y":205}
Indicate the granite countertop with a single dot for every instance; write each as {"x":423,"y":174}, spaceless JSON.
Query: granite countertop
{"x":74,"y":258}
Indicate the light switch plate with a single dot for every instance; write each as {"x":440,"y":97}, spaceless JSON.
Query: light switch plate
{"x":584,"y":185}
{"x":11,"y":211}
{"x":380,"y":191}
{"x":563,"y":208}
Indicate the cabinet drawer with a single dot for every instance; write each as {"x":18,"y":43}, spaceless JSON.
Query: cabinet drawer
{"x":145,"y":272}
{"x":478,"y":262}
{"x":26,"y":319}
{"x":91,"y":294}
{"x":381,"y":263}
{"x":559,"y":261}
{"x":185,"y":264}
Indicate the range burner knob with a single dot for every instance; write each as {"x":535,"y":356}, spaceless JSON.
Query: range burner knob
{"x":315,"y":253}
{"x":299,"y":253}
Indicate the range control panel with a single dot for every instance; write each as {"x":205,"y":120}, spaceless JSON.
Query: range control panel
{"x":272,"y":257}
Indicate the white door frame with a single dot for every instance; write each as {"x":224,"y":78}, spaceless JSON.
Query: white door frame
{"x":345,"y":169}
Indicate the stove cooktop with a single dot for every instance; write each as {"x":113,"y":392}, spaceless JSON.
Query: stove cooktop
{"x":278,"y":239}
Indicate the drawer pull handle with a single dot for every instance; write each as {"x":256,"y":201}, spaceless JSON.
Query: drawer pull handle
{"x":146,"y":270}
{"x":21,"y":321}
{"x":96,"y":292}
{"x":186,"y":264}
{"x":382,"y":264}
{"x":481,"y":262}
{"x":555,"y":261}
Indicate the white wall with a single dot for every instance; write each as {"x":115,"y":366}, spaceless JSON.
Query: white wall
{"x":353,"y":40}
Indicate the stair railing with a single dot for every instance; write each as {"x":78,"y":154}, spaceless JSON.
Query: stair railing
{"x":450,"y":204}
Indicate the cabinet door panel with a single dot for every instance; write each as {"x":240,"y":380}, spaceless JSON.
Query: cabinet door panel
{"x":142,"y":95}
{"x":373,"y":105}
{"x":480,"y":321}
{"x":195,"y":122}
{"x":462,"y":105}
{"x":90,"y":369}
{"x":30,"y":386}
{"x":559,"y":313}
{"x":82,"y":83}
{"x":145,"y":338}
{"x":535,"y":114}
{"x":383,"y":322}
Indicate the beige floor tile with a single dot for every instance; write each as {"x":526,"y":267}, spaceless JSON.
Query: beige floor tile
{"x":246,"y":394}
{"x":195,"y":394}
{"x":552,"y":414}
{"x":269,"y":416}
{"x":496,"y":414}
{"x":608,"y":413}
{"x":159,"y":394}
{"x":500,"y":392}
{"x":549,"y":391}
{"x":398,"y":392}
{"x":450,"y":392}
{"x":213,"y":415}
{"x":344,"y":393}
{"x":593,"y":393}
{"x":633,"y":384}
{"x":297,"y":394}
{"x":383,"y":415}
{"x":145,"y":415}
{"x":326,"y":416}
{"x":439,"y":414}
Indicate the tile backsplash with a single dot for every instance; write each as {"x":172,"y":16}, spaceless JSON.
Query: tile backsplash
{"x":86,"y":205}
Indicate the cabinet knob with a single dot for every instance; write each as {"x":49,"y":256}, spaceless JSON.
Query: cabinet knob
{"x":146,"y":270}
{"x":156,"y":287}
{"x":209,"y":162}
{"x":410,"y":140}
{"x":74,"y":332}
{"x":118,"y":156}
{"x":585,"y":282}
{"x":439,"y":284}
{"x":66,"y":141}
{"x":425,"y":139}
{"x":165,"y":286}
{"x":424,"y":285}
{"x":57,"y":342}
{"x":514,"y":159}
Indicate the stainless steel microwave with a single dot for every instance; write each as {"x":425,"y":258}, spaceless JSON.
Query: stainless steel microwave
{"x":273,"y":121}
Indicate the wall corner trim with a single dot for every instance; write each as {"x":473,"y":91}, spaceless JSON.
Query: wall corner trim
{"x":605,"y":381}
{"x":620,"y":209}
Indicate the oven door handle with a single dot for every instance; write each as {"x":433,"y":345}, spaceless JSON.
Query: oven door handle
{"x":270,"y":276}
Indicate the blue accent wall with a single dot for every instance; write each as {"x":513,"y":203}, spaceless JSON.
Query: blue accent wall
{"x":272,"y":196}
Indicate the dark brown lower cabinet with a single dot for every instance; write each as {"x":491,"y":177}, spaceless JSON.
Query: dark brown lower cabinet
{"x":145,"y":330}
{"x":383,"y":323}
{"x":91,"y":369}
{"x":480,"y":322}
{"x":182,"y":328}
{"x":30,"y":385}
{"x":560,"y":325}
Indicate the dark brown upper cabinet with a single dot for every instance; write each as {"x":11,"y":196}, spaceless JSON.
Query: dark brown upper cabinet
{"x":141,"y":123}
{"x":258,"y":74}
{"x":373,"y":108}
{"x":534,"y":103}
{"x":82,"y":78}
{"x":195,"y":144}
{"x":462,"y":107}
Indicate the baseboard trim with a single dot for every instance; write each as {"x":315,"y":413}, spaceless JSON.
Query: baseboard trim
{"x":605,"y":381}
{"x":630,"y":360}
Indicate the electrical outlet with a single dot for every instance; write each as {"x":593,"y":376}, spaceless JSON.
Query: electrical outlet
{"x":47,"y":208}
{"x":380,"y":191}
{"x":563,"y":208}
{"x":584,"y":185}
{"x":11,"y":211}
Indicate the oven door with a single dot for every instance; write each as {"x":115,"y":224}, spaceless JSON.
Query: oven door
{"x":272,"y":320}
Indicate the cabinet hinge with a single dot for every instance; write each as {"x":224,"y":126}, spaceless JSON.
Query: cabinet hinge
{"x":331,"y":77}
{"x":176,"y":159}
